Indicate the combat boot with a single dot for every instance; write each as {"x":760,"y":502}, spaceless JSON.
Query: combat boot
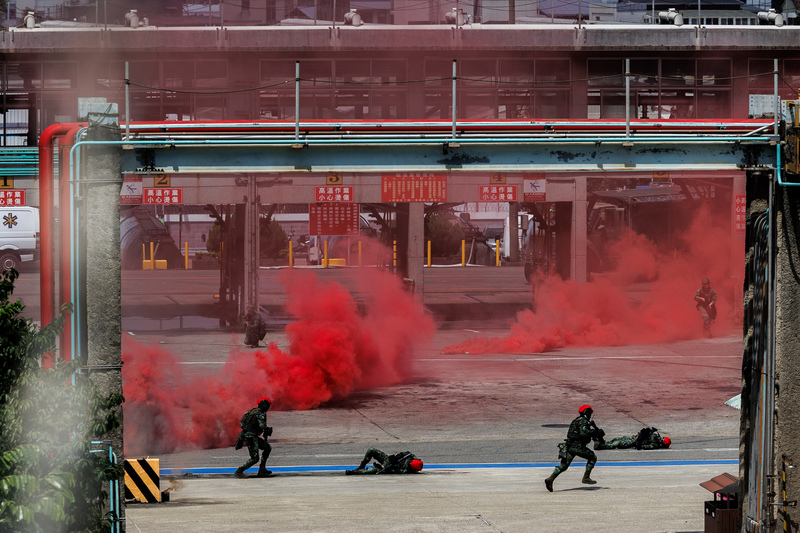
{"x":549,"y":481}
{"x":263,"y":472}
{"x":586,"y":479}
{"x":239,"y":473}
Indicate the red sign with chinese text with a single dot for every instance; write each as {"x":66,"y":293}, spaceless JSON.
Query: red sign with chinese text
{"x":498,"y":193}
{"x":414,"y":187}
{"x":333,"y":219}
{"x":740,"y":213}
{"x":336,"y":193}
{"x":9,"y":197}
{"x":163,"y":195}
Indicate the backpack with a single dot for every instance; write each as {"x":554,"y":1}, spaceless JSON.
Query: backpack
{"x":249,"y":421}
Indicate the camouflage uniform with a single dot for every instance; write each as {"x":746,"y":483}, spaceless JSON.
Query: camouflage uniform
{"x":399,"y":463}
{"x":707,"y":312}
{"x":581,"y":431}
{"x":253,"y":424}
{"x":646,"y":439}
{"x":253,"y":326}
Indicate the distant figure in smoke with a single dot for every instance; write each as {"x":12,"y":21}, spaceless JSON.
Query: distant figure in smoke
{"x":706,"y":299}
{"x":253,"y":424}
{"x":399,"y":463}
{"x":254,"y":327}
{"x":581,"y":431}
{"x":646,"y":439}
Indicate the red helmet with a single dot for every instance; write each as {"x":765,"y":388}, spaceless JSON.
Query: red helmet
{"x":262,"y":399}
{"x":667,"y":441}
{"x":416,"y":465}
{"x":583,"y":408}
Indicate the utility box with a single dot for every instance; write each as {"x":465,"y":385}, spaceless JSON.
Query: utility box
{"x":160,"y":264}
{"x":722,"y":513}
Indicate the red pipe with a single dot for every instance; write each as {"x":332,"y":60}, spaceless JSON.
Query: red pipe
{"x":46,"y":208}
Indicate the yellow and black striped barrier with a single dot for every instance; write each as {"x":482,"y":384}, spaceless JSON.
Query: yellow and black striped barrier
{"x":142,"y":480}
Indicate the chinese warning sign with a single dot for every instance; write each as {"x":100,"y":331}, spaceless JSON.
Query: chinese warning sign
{"x":740,"y":215}
{"x":131,"y":191}
{"x":339,"y":193}
{"x":534,"y":190}
{"x":333,"y":219}
{"x":498,"y":193}
{"x":163,"y":196}
{"x":12,"y":197}
{"x":414,"y":187}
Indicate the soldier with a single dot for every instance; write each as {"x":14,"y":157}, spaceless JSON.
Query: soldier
{"x":254,"y":328}
{"x":706,"y":299}
{"x":399,"y":463}
{"x":253,"y":424}
{"x":581,"y":431}
{"x":646,"y":439}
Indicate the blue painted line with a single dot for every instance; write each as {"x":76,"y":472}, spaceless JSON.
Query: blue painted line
{"x":445,"y":466}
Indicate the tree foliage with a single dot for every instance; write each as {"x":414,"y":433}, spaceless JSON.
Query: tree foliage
{"x":273,"y":239}
{"x":445,"y":236}
{"x":50,"y":480}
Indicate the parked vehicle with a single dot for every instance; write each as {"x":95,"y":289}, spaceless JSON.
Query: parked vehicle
{"x":19,"y":236}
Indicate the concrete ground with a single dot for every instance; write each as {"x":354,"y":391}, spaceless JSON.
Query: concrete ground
{"x":487,"y":428}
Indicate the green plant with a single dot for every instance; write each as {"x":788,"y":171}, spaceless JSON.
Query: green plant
{"x":445,"y":236}
{"x":272,"y":239}
{"x":49,"y":415}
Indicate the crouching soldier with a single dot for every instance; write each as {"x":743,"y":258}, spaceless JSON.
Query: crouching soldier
{"x":646,"y":439}
{"x":581,"y":431}
{"x":253,"y":424}
{"x":399,"y":463}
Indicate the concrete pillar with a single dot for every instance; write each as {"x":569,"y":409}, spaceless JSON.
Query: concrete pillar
{"x":416,"y":247}
{"x":578,"y":267}
{"x":103,"y":284}
{"x":513,"y":231}
{"x":252,"y":253}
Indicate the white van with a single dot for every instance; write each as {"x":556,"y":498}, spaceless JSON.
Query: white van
{"x":19,"y":236}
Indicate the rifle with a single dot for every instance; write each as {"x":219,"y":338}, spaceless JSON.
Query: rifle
{"x":393,"y":462}
{"x":598,"y":433}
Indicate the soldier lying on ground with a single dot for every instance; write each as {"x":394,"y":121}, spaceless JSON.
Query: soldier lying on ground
{"x":399,"y":463}
{"x":646,"y":439}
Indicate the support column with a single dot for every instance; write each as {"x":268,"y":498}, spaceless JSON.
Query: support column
{"x":103,"y":284}
{"x":579,"y":269}
{"x":252,"y":252}
{"x":513,"y":232}
{"x":416,"y":248}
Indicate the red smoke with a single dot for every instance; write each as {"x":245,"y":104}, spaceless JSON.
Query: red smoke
{"x":335,"y":348}
{"x":611,"y":311}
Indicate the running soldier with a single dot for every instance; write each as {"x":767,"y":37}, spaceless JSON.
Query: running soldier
{"x":581,"y":431}
{"x":253,"y":424}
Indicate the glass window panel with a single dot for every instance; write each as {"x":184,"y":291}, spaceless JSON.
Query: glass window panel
{"x":437,"y":104}
{"x":110,"y":75}
{"x":478,"y":73}
{"x":478,"y":106}
{"x":759,"y":72}
{"x":791,"y":72}
{"x":713,"y":104}
{"x":61,"y":75}
{"x":389,"y":70}
{"x":178,"y":74}
{"x":677,"y":104}
{"x":317,"y":72}
{"x":212,"y":74}
{"x":593,"y":106}
{"x":606,"y":72}
{"x":552,"y":70}
{"x":514,"y":70}
{"x":353,"y":71}
{"x":24,"y":75}
{"x":388,"y":105}
{"x":276,"y":105}
{"x":439,"y":68}
{"x":644,"y":71}
{"x":613,"y":104}
{"x":714,"y":71}
{"x":551,"y":104}
{"x":277,"y":71}
{"x":677,"y":72}
{"x":209,"y":108}
{"x":144,"y":73}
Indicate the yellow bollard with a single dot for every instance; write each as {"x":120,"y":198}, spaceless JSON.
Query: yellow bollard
{"x":186,"y":255}
{"x":429,"y":254}
{"x":144,"y":256}
{"x":152,"y":259}
{"x":497,"y":250}
{"x":394,"y":253}
{"x":463,"y":253}
{"x":359,"y":253}
{"x":325,"y":256}
{"x":291,"y":257}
